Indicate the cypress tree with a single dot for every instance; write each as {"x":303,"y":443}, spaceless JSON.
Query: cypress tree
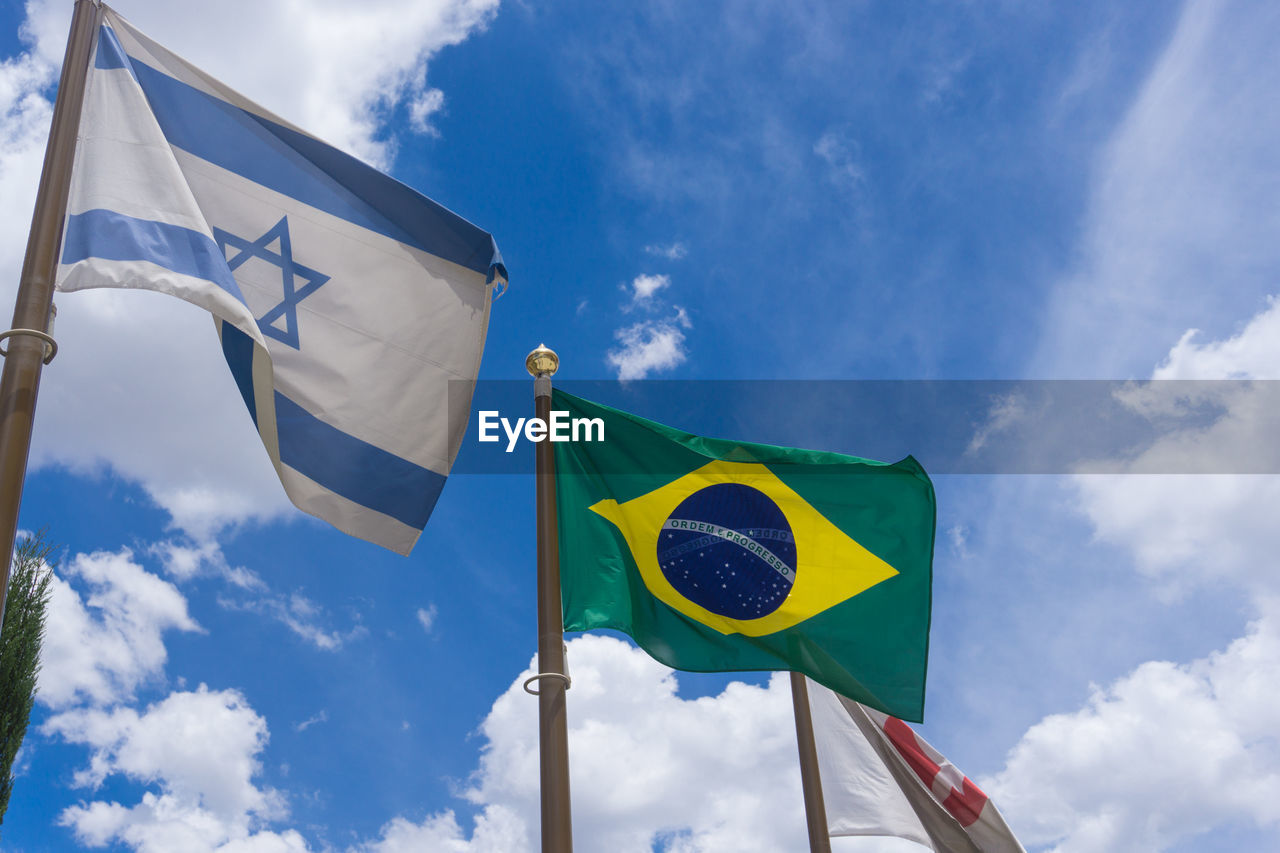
{"x":20,"y":640}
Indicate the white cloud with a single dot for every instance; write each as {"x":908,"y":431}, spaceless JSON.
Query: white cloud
{"x":133,"y":364}
{"x":200,"y":750}
{"x":100,"y":648}
{"x":1163,"y":755}
{"x":425,"y":105}
{"x":1253,"y":353}
{"x":297,"y":612}
{"x":672,"y":251}
{"x":427,"y":617}
{"x":1005,"y":411}
{"x":1190,"y":530}
{"x":334,"y":69}
{"x":1181,"y":221}
{"x":300,"y":615}
{"x":24,"y":124}
{"x":186,"y":560}
{"x":842,"y":159}
{"x":644,"y":287}
{"x":958,"y":536}
{"x":653,"y":344}
{"x":647,"y":767}
{"x":1202,"y":528}
{"x":1173,"y":752}
{"x":320,"y":717}
{"x":940,"y":78}
{"x":497,"y":830}
{"x":649,"y":346}
{"x":1179,"y":231}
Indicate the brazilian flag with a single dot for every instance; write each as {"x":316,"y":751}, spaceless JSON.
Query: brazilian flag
{"x":723,"y":556}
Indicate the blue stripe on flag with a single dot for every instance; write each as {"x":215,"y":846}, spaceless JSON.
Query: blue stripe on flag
{"x":237,"y":349}
{"x":110,"y":52}
{"x":355,"y":469}
{"x":116,"y":237}
{"x":303,"y":168}
{"x":431,"y":227}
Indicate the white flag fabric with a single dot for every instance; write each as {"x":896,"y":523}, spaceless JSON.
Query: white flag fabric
{"x":345,"y":301}
{"x":880,"y":778}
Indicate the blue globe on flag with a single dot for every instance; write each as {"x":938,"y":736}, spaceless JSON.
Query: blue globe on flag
{"x":729,"y":549}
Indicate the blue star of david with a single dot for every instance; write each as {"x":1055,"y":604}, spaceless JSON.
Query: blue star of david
{"x":290,"y":270}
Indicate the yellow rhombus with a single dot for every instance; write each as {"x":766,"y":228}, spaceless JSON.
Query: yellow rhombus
{"x":830,"y":566}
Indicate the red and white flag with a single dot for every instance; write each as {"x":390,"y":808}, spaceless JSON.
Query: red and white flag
{"x":881,"y":778}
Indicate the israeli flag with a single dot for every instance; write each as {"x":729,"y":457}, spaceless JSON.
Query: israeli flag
{"x":345,"y":301}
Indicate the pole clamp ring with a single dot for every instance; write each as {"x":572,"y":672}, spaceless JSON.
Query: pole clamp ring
{"x":52,"y":345}
{"x":568,"y":682}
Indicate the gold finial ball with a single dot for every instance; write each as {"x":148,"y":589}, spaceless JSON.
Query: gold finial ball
{"x":542,"y":361}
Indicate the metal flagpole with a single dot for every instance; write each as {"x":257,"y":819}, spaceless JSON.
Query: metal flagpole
{"x":815,"y":811}
{"x":553,"y":681}
{"x":29,"y":344}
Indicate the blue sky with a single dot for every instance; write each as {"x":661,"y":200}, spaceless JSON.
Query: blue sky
{"x":702,"y":191}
